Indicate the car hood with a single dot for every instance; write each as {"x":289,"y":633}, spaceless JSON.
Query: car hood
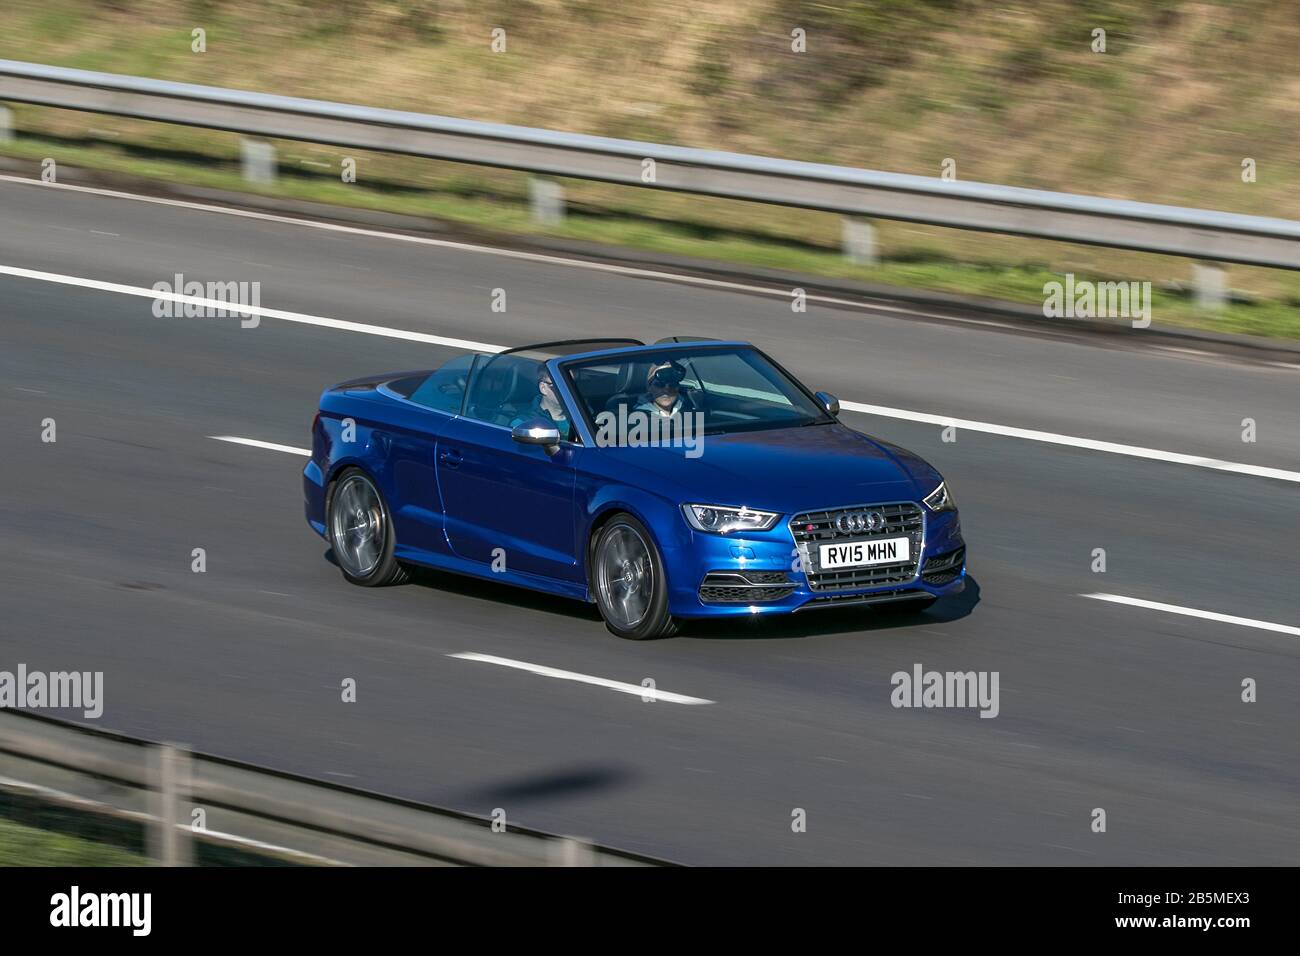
{"x":787,"y":470}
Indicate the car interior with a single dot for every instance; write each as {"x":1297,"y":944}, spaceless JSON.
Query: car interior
{"x":606,"y":388}
{"x":504,"y":390}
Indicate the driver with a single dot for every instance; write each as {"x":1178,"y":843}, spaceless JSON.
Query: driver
{"x":663,"y":396}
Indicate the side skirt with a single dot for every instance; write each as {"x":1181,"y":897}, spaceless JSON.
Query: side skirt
{"x":476,"y":569}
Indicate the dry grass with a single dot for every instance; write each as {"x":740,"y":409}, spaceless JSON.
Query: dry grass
{"x":1012,"y":91}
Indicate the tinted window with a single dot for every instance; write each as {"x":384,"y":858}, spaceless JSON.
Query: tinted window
{"x":444,"y":388}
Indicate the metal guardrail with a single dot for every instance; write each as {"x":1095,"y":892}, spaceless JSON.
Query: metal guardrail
{"x":280,"y":815}
{"x":1195,"y":233}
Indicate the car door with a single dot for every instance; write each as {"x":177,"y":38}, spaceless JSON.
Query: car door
{"x":430,"y":405}
{"x":506,"y":504}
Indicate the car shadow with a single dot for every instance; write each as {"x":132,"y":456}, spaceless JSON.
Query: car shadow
{"x":575,"y":781}
{"x":846,"y":620}
{"x":498,"y":593}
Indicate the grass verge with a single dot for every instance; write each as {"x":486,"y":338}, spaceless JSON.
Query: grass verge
{"x":36,"y":833}
{"x":22,"y":845}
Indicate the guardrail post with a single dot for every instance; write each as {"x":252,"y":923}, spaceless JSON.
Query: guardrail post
{"x":6,"y":124}
{"x":546,"y":197}
{"x":859,"y":241}
{"x":1211,"y":282}
{"x":566,"y":851}
{"x":169,"y":841}
{"x":257,"y":159}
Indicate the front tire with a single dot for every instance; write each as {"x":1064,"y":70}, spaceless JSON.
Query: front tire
{"x":361,"y":531}
{"x":628,"y":581}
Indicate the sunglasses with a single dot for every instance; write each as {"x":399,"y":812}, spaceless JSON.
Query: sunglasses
{"x":668,"y":377}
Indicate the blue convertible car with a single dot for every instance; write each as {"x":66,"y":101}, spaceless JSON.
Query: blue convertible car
{"x":689,"y":478}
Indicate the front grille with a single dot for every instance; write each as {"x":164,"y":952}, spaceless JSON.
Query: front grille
{"x":811,"y":529}
{"x":943,"y":568}
{"x":745,"y":587}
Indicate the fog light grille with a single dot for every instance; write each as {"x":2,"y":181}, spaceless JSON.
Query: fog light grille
{"x":745,"y":587}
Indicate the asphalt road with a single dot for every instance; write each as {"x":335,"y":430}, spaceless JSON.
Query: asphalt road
{"x":1128,"y":709}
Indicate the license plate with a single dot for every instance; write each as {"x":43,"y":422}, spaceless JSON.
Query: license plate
{"x":858,"y":554}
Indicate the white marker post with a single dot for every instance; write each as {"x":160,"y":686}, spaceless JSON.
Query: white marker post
{"x":257,"y":160}
{"x":546,"y":198}
{"x":859,"y":241}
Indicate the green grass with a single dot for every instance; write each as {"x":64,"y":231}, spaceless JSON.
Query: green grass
{"x":37,"y":833}
{"x":22,"y":845}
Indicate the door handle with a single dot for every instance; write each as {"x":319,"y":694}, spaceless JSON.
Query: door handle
{"x":451,"y":458}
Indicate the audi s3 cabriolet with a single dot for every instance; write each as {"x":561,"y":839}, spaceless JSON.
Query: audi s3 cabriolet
{"x":686,"y":479}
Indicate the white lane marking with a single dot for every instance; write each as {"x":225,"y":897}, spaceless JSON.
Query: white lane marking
{"x":511,"y":253}
{"x":1008,"y":431}
{"x":619,"y":686}
{"x":232,"y":307}
{"x":270,"y":446}
{"x":1091,"y":444}
{"x":1194,"y":612}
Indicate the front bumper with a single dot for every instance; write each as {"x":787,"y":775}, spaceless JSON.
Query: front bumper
{"x":313,"y":493}
{"x":730,"y":576}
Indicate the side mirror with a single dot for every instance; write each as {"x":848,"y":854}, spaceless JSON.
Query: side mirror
{"x":829,"y":402}
{"x":537,"y":431}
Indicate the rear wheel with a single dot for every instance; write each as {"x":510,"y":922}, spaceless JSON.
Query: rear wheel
{"x":628,"y":580}
{"x":361,"y":531}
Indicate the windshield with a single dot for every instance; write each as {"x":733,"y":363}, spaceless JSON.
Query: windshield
{"x":724,"y":389}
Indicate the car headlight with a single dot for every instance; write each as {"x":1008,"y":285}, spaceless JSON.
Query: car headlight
{"x":722,"y":519}
{"x":940,"y":499}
